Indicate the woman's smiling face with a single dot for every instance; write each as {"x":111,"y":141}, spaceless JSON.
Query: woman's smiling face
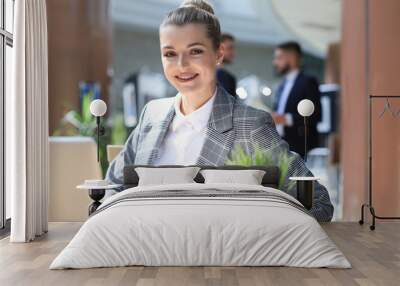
{"x":188,"y":57}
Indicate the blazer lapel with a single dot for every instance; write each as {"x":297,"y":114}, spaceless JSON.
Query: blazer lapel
{"x":156,"y":132}
{"x":220,"y":133}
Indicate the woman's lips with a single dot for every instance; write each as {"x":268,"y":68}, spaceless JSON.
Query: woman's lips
{"x":186,"y":77}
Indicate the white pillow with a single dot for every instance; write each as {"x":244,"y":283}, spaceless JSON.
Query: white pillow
{"x":166,"y":176}
{"x":248,"y":177}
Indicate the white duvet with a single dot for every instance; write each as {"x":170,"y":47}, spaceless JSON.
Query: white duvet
{"x":185,"y":230}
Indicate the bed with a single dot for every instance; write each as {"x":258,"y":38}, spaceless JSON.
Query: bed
{"x":201,"y":224}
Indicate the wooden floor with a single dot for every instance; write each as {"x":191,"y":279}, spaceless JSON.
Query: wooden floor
{"x":375,"y":257}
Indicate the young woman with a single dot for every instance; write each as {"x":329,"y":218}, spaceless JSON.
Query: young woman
{"x":203,"y":123}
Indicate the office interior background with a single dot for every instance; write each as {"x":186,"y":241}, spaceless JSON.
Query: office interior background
{"x":109,"y":49}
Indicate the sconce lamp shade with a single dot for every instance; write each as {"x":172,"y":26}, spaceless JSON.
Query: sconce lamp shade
{"x":305,"y":107}
{"x":98,"y":107}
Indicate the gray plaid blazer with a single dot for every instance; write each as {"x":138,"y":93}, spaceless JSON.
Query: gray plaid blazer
{"x":230,"y":123}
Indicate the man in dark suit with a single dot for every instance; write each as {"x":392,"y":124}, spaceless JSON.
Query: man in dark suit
{"x":224,"y":77}
{"x":295,"y":87}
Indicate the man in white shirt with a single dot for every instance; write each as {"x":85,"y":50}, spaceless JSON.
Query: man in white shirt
{"x":295,"y":87}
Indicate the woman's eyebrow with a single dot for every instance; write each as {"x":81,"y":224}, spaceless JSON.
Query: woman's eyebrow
{"x":196,"y":44}
{"x":167,"y":47}
{"x":190,"y":45}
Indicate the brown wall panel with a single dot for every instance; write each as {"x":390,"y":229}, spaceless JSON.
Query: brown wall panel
{"x":384,"y":47}
{"x":384,"y":72}
{"x":353,"y":109}
{"x":79,"y":36}
{"x":386,"y":157}
{"x":370,"y":66}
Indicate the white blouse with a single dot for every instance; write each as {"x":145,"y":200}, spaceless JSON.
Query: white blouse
{"x":186,"y":135}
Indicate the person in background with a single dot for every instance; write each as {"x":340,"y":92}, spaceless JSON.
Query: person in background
{"x":295,"y":86}
{"x":224,"y":77}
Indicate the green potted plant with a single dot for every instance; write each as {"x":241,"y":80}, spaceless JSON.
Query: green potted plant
{"x":263,"y":157}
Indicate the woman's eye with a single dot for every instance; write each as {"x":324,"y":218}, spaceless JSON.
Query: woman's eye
{"x":196,"y":51}
{"x":169,"y":54}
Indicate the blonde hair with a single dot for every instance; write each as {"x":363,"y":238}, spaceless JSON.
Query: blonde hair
{"x":196,"y":12}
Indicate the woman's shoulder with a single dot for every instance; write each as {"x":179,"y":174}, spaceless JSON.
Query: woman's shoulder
{"x":243,"y":113}
{"x":240,"y":110}
{"x":158,"y":109}
{"x":161,"y":103}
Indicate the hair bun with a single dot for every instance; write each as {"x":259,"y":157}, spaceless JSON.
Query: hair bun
{"x":199,"y":4}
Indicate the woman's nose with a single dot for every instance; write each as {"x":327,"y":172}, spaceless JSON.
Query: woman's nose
{"x":182,"y":61}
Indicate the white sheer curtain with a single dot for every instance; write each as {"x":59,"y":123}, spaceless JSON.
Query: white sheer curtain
{"x":27,"y":123}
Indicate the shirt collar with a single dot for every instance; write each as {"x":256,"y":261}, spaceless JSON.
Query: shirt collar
{"x":291,"y":76}
{"x":198,"y":118}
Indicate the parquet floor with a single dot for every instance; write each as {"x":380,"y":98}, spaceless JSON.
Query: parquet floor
{"x":375,"y":257}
